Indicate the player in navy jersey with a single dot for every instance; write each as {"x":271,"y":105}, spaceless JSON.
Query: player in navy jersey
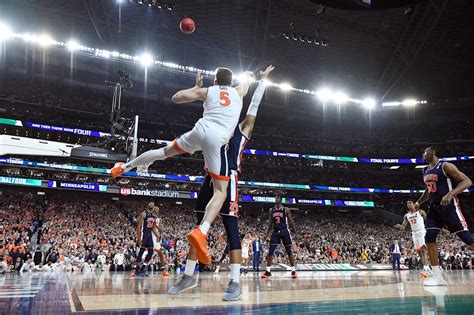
{"x":444,"y":182}
{"x":146,"y":226}
{"x":280,"y":220}
{"x":230,"y":210}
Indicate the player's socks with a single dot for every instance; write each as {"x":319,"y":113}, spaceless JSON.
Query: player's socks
{"x":293,"y":268}
{"x":235,"y":272}
{"x":217,"y":269}
{"x":204,"y":227}
{"x":267,"y":269}
{"x":146,"y":158}
{"x":190,"y":265}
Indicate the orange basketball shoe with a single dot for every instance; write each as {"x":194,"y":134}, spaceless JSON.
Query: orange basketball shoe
{"x":199,"y":241}
{"x":117,"y":170}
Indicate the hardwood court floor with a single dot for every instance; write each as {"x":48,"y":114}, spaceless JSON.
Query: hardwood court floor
{"x":321,"y":292}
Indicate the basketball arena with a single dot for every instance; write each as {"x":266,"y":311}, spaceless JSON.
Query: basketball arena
{"x":236,"y":157}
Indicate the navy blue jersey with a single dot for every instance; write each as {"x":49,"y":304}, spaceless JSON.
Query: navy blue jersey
{"x":236,"y":149}
{"x":437,"y":183}
{"x":279,"y":217}
{"x":149,"y":222}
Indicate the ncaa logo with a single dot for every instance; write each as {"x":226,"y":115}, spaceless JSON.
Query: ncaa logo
{"x":125,"y":191}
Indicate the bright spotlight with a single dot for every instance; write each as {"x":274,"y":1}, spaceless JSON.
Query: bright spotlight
{"x":5,"y":32}
{"x":340,"y":98}
{"x":145,"y":60}
{"x":324,"y":94}
{"x":45,"y":40}
{"x":368,"y":103}
{"x":72,"y":45}
{"x":245,"y":77}
{"x":409,"y":102}
{"x":286,"y":87}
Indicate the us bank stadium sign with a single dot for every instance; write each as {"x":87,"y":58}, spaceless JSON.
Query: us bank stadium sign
{"x":125,"y":191}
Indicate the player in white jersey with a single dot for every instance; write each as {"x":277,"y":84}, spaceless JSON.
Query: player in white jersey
{"x":246,"y":242}
{"x":416,"y":219}
{"x":211,"y":134}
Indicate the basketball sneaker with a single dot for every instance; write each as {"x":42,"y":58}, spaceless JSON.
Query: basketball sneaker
{"x":293,"y":274}
{"x":117,"y":170}
{"x":233,"y":292}
{"x":426,"y":273}
{"x":199,"y":241}
{"x":435,"y":280}
{"x":266,"y":275}
{"x":186,"y":283}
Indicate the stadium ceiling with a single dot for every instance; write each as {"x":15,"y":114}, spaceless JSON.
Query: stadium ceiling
{"x":425,"y":52}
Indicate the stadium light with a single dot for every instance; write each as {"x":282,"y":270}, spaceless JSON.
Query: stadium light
{"x":340,"y":98}
{"x":391,"y":104}
{"x":244,"y":78}
{"x":369,"y":103}
{"x":72,"y":45}
{"x":145,"y":59}
{"x":286,"y":87}
{"x":324,"y":94}
{"x":409,"y":102}
{"x":5,"y":32}
{"x":44,"y":40}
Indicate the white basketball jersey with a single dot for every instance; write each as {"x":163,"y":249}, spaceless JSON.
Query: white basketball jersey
{"x":416,"y":221}
{"x":222,"y":107}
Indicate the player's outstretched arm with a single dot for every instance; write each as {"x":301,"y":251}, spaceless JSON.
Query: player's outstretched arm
{"x":248,"y":123}
{"x":463,"y":181}
{"x":196,"y":93}
{"x":402,"y":226}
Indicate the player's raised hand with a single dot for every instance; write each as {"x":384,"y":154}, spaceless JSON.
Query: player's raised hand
{"x":266,"y":73}
{"x":199,"y":79}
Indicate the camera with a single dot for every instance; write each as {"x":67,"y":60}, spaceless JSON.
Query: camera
{"x":124,"y":79}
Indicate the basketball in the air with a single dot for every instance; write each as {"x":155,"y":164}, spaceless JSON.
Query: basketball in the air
{"x":187,"y":26}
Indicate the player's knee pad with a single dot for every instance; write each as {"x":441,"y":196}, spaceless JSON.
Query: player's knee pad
{"x":272,"y":249}
{"x":232,"y":229}
{"x":148,"y":255}
{"x":431,"y":235}
{"x":288,"y":250}
{"x":466,"y":237}
{"x":140,"y":254}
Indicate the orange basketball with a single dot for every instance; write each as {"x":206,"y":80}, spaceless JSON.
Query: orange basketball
{"x":187,"y":26}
